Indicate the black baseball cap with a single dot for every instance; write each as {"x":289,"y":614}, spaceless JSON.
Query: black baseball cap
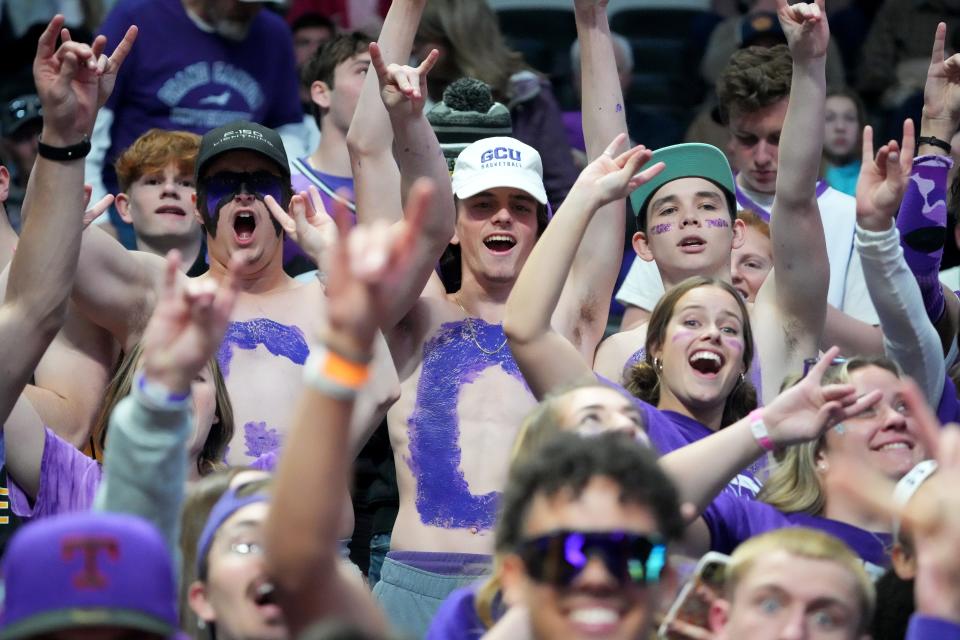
{"x":18,"y":113}
{"x":241,"y":135}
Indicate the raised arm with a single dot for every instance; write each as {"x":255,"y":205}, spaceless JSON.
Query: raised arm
{"x":801,"y":413}
{"x":73,"y":81}
{"x":145,"y":465}
{"x":922,"y":220}
{"x":581,"y":314}
{"x":910,"y":339}
{"x":301,"y":535}
{"x":792,"y":304}
{"x":546,"y":357}
{"x":376,"y":179}
{"x":403,"y":90}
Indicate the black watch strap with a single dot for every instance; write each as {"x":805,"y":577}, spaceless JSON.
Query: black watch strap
{"x":64,"y":154}
{"x":934,"y":142}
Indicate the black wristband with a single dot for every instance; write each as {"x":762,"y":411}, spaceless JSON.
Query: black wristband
{"x":64,"y":154}
{"x":933,"y":141}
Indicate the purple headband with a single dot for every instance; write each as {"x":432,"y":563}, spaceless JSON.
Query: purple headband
{"x":228,"y":504}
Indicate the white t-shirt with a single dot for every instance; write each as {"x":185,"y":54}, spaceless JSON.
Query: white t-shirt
{"x":643,"y":286}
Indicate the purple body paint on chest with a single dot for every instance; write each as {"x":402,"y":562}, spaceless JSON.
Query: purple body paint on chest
{"x":260,"y":439}
{"x":717,"y":223}
{"x":283,"y":341}
{"x":450,"y":361}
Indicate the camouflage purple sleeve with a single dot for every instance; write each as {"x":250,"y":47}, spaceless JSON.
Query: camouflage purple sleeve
{"x":922,"y":222}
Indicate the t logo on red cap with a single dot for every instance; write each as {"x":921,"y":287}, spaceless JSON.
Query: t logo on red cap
{"x":90,"y":576}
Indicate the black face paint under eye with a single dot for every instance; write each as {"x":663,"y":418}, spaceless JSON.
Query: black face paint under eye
{"x":221,"y":188}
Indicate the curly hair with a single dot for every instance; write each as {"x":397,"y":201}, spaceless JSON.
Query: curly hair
{"x":755,"y":78}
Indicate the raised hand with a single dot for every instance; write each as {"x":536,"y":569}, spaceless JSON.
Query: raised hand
{"x":941,"y":94}
{"x":402,"y":84}
{"x":187,"y":325}
{"x":806,"y":410}
{"x":883,"y":178}
{"x":611,"y":177}
{"x":94,"y":212}
{"x":932,"y":515}
{"x":805,"y":26}
{"x":306,"y":222}
{"x":365,"y":265}
{"x":74,"y":81}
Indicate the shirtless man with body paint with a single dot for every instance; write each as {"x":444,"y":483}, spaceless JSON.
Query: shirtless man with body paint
{"x":462,"y":396}
{"x":242,"y":181}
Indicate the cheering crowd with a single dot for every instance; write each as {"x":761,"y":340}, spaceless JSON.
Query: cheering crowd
{"x":215,"y":304}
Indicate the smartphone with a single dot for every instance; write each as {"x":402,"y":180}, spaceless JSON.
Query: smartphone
{"x":687,"y":617}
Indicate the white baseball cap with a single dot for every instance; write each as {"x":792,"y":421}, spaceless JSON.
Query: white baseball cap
{"x":499,"y":162}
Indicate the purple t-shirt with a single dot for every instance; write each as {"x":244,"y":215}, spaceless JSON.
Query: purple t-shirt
{"x":669,"y":430}
{"x":178,"y":76}
{"x":732,"y":520}
{"x":68,"y":481}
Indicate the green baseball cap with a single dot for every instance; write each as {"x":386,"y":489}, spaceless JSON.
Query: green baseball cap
{"x":688,"y":160}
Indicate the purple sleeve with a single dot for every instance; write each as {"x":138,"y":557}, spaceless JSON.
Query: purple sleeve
{"x":68,"y":481}
{"x":457,"y":618}
{"x":922,"y":222}
{"x":949,"y":408}
{"x":925,"y":627}
{"x":539,"y":123}
{"x":731,"y":520}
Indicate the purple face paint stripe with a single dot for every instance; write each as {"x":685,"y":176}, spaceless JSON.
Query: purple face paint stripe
{"x":717,"y":223}
{"x":450,"y":362}
{"x":284,"y":341}
{"x":657,"y":229}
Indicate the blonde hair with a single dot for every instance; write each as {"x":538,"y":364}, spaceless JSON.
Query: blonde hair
{"x":793,"y":485}
{"x":544,"y":422}
{"x":805,"y":543}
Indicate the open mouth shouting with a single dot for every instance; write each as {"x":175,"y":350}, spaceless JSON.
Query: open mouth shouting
{"x":500,"y":243}
{"x":706,"y":363}
{"x":263,"y":595}
{"x":244,"y":225}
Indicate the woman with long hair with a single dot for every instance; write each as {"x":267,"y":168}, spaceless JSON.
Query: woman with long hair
{"x":157,"y":387}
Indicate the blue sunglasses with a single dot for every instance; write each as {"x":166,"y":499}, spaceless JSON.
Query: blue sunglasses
{"x":558,"y":558}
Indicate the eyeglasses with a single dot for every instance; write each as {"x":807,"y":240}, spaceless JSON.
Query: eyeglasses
{"x":809,"y":363}
{"x":246,"y":548}
{"x":227,"y":184}
{"x":558,"y":558}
